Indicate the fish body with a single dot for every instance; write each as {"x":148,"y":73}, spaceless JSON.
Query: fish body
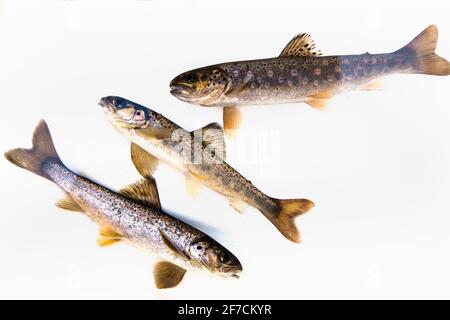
{"x":301,"y":74}
{"x":294,"y":79}
{"x":192,"y":155}
{"x":133,"y":215}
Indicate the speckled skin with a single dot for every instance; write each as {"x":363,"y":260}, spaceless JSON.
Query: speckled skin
{"x":138,"y":224}
{"x":293,"y":79}
{"x":214,"y":173}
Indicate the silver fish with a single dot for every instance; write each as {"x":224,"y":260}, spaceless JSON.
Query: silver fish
{"x":133,"y":215}
{"x":155,"y":137}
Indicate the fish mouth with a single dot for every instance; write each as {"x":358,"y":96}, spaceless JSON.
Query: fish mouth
{"x":107,"y":105}
{"x":180,"y":90}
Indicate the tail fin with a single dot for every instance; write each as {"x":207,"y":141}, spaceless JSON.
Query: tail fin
{"x":424,"y":46}
{"x":43,"y":149}
{"x":284,"y":218}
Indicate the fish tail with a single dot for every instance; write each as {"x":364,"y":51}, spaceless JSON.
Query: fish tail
{"x":42,"y":150}
{"x":424,"y":46}
{"x":283,"y":218}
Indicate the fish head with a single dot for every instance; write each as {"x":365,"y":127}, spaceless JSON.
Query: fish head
{"x":125,"y":114}
{"x":205,"y":86}
{"x":215,"y":258}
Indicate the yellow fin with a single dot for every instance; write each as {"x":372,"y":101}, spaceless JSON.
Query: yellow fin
{"x":144,"y":162}
{"x":154,"y":133}
{"x":192,"y":187}
{"x":374,"y":85}
{"x":167,"y":275}
{"x":144,"y":191}
{"x":301,"y":45}
{"x":317,"y":103}
{"x":68,"y":203}
{"x":237,"y":205}
{"x":320,"y":99}
{"x":177,"y":252}
{"x":232,"y":119}
{"x":108,"y":237}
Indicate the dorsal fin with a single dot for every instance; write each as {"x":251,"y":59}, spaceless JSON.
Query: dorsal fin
{"x":144,"y":191}
{"x":213,"y":138}
{"x":301,"y":45}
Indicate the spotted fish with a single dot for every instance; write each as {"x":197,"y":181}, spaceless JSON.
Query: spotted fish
{"x":133,"y":215}
{"x":301,"y":73}
{"x":200,"y":155}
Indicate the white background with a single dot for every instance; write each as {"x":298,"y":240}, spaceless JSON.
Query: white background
{"x":377,"y":164}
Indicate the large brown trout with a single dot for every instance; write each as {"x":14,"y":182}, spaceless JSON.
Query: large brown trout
{"x":200,"y":155}
{"x":300,"y":73}
{"x":133,"y":215}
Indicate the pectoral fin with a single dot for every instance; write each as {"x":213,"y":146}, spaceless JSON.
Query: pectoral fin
{"x":144,"y":162}
{"x":232,"y":119}
{"x":167,"y":275}
{"x":154,"y":133}
{"x":108,"y":237}
{"x":177,"y":251}
{"x":301,"y":45}
{"x":68,"y":203}
{"x":144,"y":191}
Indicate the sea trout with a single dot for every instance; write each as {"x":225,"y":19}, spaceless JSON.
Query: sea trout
{"x":301,"y":74}
{"x":201,"y":157}
{"x":133,"y":215}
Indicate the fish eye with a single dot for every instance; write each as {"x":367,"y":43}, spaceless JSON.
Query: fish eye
{"x":224,"y":258}
{"x":199,"y":247}
{"x":138,"y":113}
{"x":190,"y":77}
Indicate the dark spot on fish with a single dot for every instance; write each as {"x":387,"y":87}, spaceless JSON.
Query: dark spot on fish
{"x":338,"y":76}
{"x":330,"y":78}
{"x":316,"y":82}
{"x":360,"y":73}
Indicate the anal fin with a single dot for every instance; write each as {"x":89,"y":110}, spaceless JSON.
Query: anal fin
{"x":237,"y":205}
{"x":69,"y":203}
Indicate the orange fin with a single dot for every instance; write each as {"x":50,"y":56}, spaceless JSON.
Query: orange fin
{"x":424,"y":46}
{"x":320,"y":99}
{"x":232,"y":119}
{"x":374,"y":85}
{"x":317,"y":103}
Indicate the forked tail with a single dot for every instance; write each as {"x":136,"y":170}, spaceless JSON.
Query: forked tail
{"x":424,"y":47}
{"x":42,"y":150}
{"x":283,"y":217}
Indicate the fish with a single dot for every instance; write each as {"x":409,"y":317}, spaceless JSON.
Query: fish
{"x":132,"y":215}
{"x":302,"y":74}
{"x":201,"y":156}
